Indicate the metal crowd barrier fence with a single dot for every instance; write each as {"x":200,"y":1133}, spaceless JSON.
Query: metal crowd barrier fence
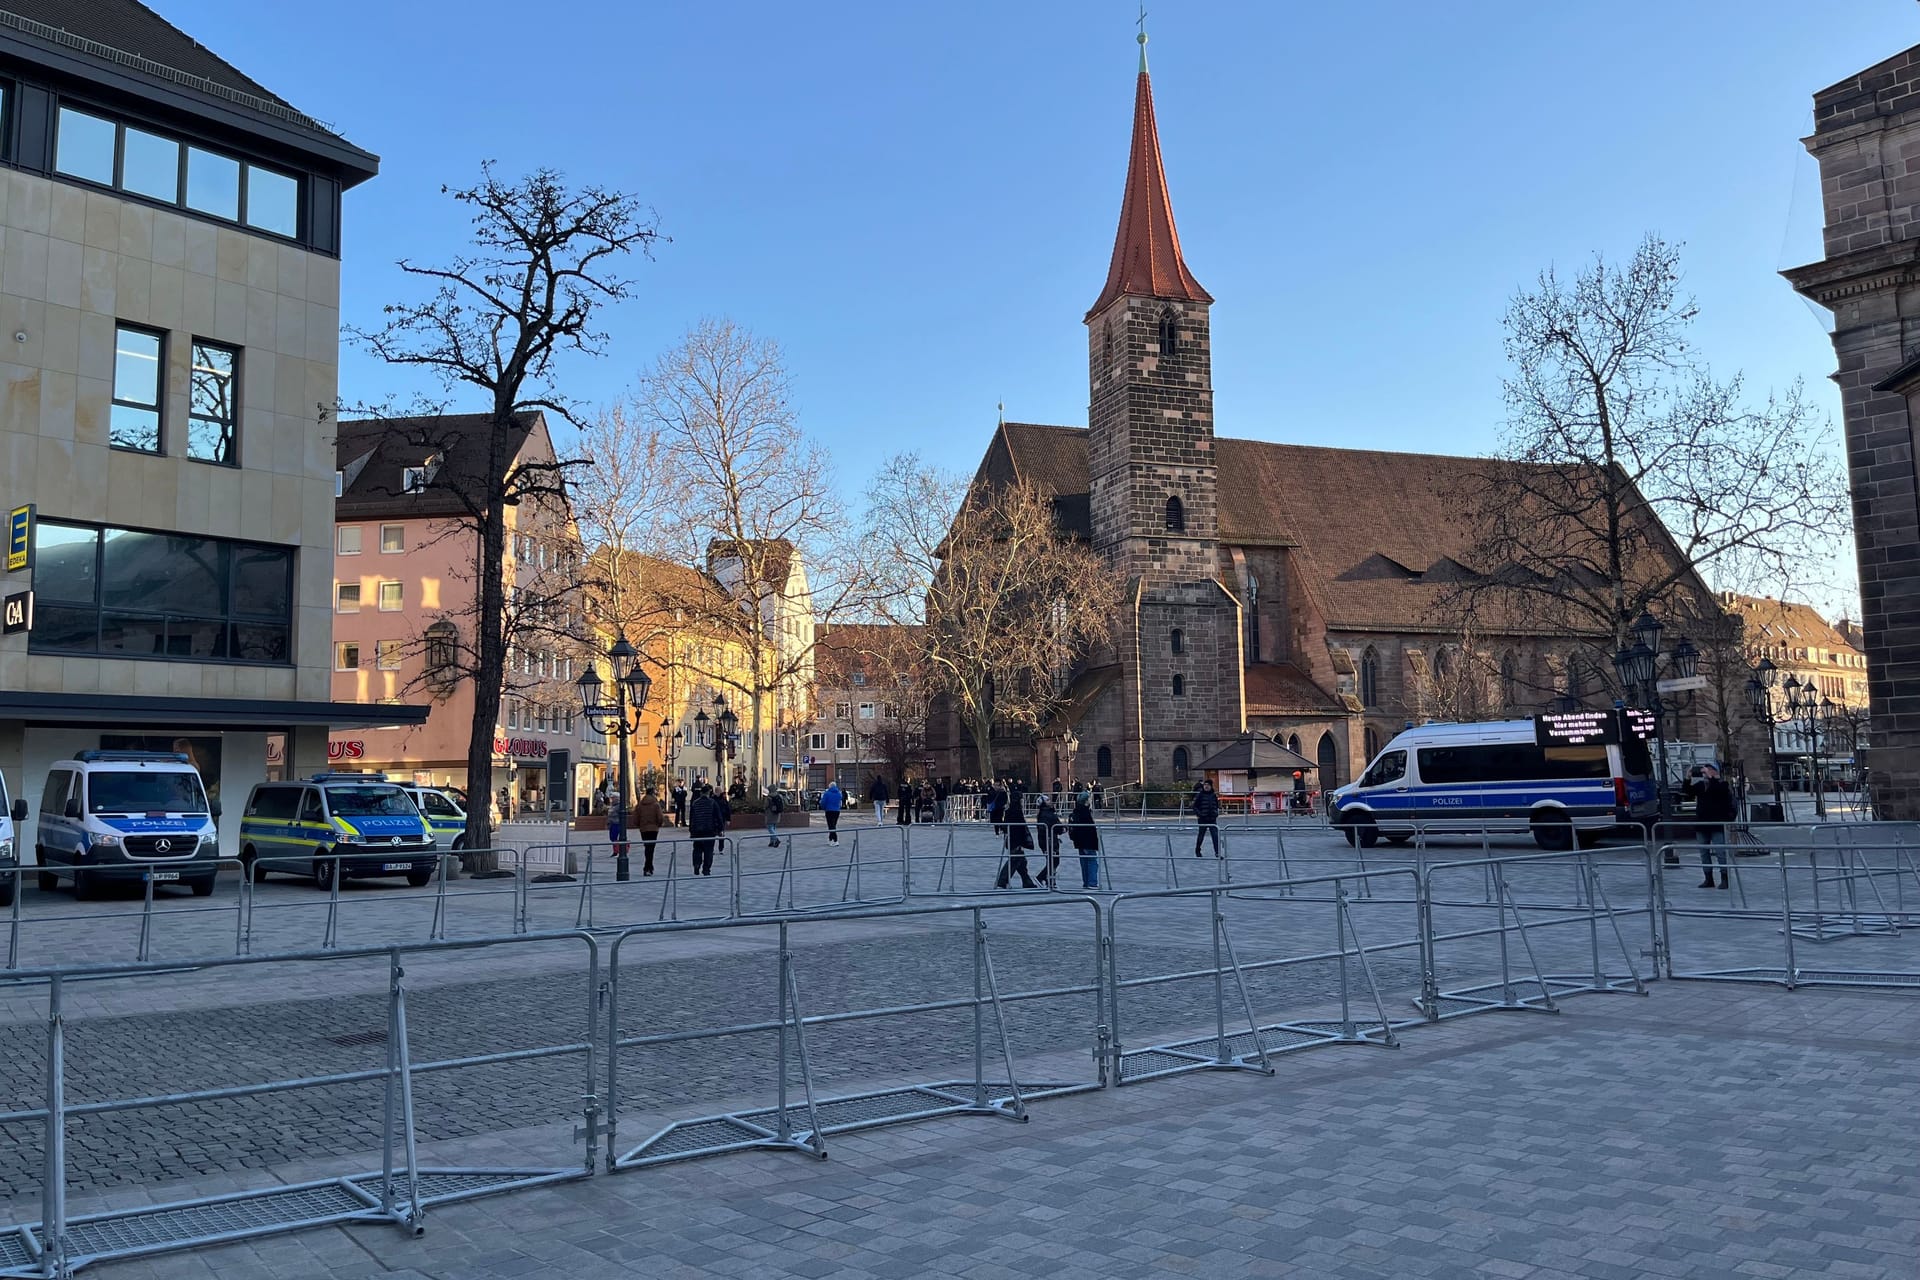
{"x":1811,"y":893}
{"x":400,"y":1192}
{"x":803,"y":1124}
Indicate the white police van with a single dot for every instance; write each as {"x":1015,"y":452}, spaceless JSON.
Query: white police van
{"x":12,"y":813}
{"x":1477,"y":777}
{"x":125,"y":815}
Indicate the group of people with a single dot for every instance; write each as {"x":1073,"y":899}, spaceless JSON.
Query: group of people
{"x":1006,"y":810}
{"x":703,"y":811}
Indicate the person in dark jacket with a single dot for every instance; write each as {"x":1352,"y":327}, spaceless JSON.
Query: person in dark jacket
{"x":904,"y":814}
{"x":1086,"y":839}
{"x":1206,"y":812}
{"x":705,"y":822}
{"x":879,"y":794}
{"x":1046,"y":824}
{"x":679,"y":804}
{"x":1713,"y":810}
{"x":1019,"y":840}
{"x":646,"y":816}
{"x":776,"y":805}
{"x":940,"y":791}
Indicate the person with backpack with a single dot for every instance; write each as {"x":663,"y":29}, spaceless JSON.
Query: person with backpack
{"x":776,"y":805}
{"x":832,"y":801}
{"x":705,"y":822}
{"x":1206,"y":812}
{"x":1086,"y":838}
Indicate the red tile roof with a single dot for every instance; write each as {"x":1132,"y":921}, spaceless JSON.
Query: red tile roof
{"x":1146,"y":249}
{"x":1280,"y":688}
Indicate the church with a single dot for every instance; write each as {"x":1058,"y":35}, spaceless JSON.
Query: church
{"x":1283,"y":589}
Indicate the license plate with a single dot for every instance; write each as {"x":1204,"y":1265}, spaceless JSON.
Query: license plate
{"x":163,"y":875}
{"x":396,"y":866}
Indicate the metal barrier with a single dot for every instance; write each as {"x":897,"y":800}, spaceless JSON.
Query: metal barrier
{"x":400,"y":1192}
{"x":804,"y":1125}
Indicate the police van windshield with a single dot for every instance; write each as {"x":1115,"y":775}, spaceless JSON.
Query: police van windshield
{"x":141,"y":792}
{"x":354,"y":802}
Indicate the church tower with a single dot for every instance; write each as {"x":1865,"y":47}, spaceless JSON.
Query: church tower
{"x":1152,"y":477}
{"x":1150,"y":459}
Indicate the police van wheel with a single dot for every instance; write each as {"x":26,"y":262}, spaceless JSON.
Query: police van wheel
{"x":250,"y":865}
{"x":6,"y":892}
{"x":83,"y":887}
{"x":202,"y":888}
{"x":459,"y":843}
{"x":419,"y":879}
{"x":1362,"y":834}
{"x":48,"y":882}
{"x":324,"y":869}
{"x":1555,"y":835}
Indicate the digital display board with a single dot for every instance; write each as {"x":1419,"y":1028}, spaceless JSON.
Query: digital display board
{"x":1636,"y":723}
{"x":1582,"y":728}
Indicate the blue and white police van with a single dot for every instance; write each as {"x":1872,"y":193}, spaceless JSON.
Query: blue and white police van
{"x":126,"y":815}
{"x":445,"y":816}
{"x":12,"y":814}
{"x":1580,"y":784}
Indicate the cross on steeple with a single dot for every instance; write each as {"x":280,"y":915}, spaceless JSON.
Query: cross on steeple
{"x":1141,"y":22}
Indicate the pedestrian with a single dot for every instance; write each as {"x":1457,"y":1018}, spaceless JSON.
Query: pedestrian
{"x":704,"y":825}
{"x":776,"y":805}
{"x":832,"y":800}
{"x":646,"y":816}
{"x":1019,"y":840}
{"x":879,"y":794}
{"x":679,"y":804}
{"x":1046,"y":821}
{"x":1206,"y":812}
{"x":617,"y":835}
{"x":1713,"y":810}
{"x":940,"y":800}
{"x":903,"y":812}
{"x":997,"y":810}
{"x":1086,"y":838}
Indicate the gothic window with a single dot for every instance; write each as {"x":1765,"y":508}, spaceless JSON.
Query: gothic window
{"x":1509,"y":681}
{"x":1373,"y":742}
{"x":1293,"y":743}
{"x":1169,"y":335}
{"x":1443,"y":663}
{"x":1103,"y":762}
{"x":1179,"y":686}
{"x":1370,"y":678}
{"x":1106,"y":344}
{"x":1179,"y":760}
{"x":1178,"y":640}
{"x":1576,"y":678}
{"x":1176,"y":516}
{"x":1253,"y":617}
{"x":1329,"y":761}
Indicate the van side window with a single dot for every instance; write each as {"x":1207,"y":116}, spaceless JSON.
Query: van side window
{"x":310,"y":810}
{"x":1390,"y":767}
{"x":53,"y":801}
{"x":278,"y":803}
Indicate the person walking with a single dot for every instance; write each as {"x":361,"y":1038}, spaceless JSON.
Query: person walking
{"x":679,"y":804}
{"x":1046,"y":821}
{"x":776,"y":805}
{"x":647,"y":815}
{"x":704,"y":824}
{"x":879,"y":794}
{"x":1019,"y":840}
{"x":1086,"y":838}
{"x":997,"y":810}
{"x":1206,"y":812}
{"x":832,"y":800}
{"x":940,"y":800}
{"x":1713,"y":810}
{"x":903,"y":811}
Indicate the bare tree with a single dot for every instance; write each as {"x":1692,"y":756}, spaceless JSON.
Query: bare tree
{"x":545,"y":258}
{"x":1007,"y":602}
{"x":1461,"y":682}
{"x":753,"y":500}
{"x":1627,"y":470}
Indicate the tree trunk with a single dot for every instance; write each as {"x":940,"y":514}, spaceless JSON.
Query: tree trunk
{"x":489,"y":674}
{"x":982,"y":735}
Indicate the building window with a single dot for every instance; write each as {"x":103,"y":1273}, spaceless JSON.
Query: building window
{"x":1373,"y":743}
{"x":346,"y":656}
{"x":1176,"y":516}
{"x":389,"y":597}
{"x":1509,"y":681}
{"x":858,"y":679}
{"x":389,"y":654}
{"x":816,"y":742}
{"x":346,"y":539}
{"x":1293,"y":743}
{"x":1177,"y":641}
{"x":134,"y":420}
{"x":1253,"y":617}
{"x":1328,"y":762}
{"x":1169,"y":332}
{"x":843,"y":742}
{"x":513,"y":714}
{"x":843,"y":711}
{"x":393,"y":537}
{"x":1576,"y":678}
{"x":1370,"y":678}
{"x":1179,"y":686}
{"x":129,"y":593}
{"x":1103,"y":762}
{"x":213,"y":407}
{"x":147,"y":164}
{"x":346,"y":597}
{"x":1179,"y":760}
{"x":866,"y":711}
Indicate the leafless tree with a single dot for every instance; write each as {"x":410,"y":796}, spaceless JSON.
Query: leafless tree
{"x":1627,"y":470}
{"x":1461,"y":682}
{"x":1006,"y":602}
{"x":545,"y":257}
{"x":752,"y":493}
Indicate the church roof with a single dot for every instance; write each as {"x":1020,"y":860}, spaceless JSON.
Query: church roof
{"x":1381,"y":536}
{"x":1146,"y":248}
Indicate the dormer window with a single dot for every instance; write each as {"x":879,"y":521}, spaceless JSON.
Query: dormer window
{"x":416,"y":479}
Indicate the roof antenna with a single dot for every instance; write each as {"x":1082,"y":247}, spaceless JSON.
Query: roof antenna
{"x":1142,"y":24}
{"x":1003,"y":413}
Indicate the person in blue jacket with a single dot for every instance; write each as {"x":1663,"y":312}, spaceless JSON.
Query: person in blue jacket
{"x":832,"y":801}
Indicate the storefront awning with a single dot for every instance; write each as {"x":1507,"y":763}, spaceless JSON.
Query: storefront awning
{"x":214,"y":713}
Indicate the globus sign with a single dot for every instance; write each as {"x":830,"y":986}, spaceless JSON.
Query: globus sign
{"x":521,"y":748}
{"x":353,"y":749}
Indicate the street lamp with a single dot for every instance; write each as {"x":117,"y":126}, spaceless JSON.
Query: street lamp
{"x":726,"y":738}
{"x":630,"y":690}
{"x":1072,"y":743}
{"x":1638,"y":666}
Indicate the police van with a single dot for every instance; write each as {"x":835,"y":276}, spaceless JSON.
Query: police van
{"x":12,"y":813}
{"x":353,"y":825}
{"x":445,"y":816}
{"x":126,"y":815}
{"x":1477,"y":777}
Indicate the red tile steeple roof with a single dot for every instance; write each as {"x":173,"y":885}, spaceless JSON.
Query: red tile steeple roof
{"x":1146,"y":250}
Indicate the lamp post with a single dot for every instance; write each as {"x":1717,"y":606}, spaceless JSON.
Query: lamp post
{"x":1760,"y":686}
{"x":726,"y":738}
{"x":630,"y":690}
{"x":1810,"y":713}
{"x":1638,"y":667}
{"x":1072,"y":743}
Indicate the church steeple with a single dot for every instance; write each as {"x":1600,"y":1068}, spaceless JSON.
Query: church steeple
{"x":1146,"y":249}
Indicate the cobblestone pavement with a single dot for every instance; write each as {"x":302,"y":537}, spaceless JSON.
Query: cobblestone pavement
{"x":1706,"y":1132}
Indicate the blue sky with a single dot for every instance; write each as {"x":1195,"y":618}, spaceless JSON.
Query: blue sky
{"x":918,"y":201}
